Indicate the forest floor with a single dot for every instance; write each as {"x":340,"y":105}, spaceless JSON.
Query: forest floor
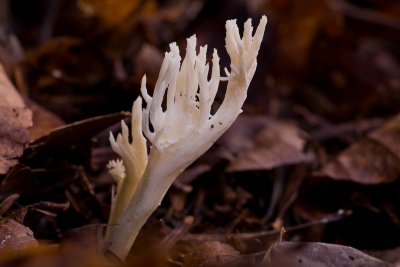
{"x":306,"y":176}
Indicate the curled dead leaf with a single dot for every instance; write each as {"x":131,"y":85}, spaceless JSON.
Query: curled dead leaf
{"x":372,"y":160}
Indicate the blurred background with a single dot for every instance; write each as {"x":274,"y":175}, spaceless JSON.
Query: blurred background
{"x":333,"y":58}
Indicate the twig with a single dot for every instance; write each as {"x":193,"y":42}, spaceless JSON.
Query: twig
{"x":339,"y":215}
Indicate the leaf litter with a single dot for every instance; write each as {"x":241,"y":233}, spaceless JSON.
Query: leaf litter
{"x":316,"y":150}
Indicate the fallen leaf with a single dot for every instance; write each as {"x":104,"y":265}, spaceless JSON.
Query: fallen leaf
{"x":15,"y":236}
{"x":290,"y":254}
{"x":15,"y":119}
{"x":372,"y":160}
{"x":261,"y":143}
{"x":75,"y":132}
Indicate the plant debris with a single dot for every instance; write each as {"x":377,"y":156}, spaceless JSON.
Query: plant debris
{"x":307,"y":176}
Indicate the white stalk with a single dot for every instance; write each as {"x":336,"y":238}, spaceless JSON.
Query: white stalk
{"x":181,"y":133}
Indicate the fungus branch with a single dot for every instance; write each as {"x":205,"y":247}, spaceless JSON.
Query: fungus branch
{"x":179,"y":134}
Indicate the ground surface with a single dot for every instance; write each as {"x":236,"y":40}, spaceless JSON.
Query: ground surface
{"x":307,"y":176}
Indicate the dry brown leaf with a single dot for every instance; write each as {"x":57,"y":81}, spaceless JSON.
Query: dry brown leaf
{"x":261,"y":143}
{"x":15,"y":236}
{"x":372,"y":160}
{"x":15,"y":119}
{"x":288,"y":254}
{"x":76,"y":132}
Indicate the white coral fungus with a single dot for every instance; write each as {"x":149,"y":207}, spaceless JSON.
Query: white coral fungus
{"x":180,"y":133}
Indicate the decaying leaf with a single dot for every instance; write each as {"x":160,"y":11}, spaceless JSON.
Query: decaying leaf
{"x":372,"y":160}
{"x":15,"y":119}
{"x":15,"y":236}
{"x":261,"y":143}
{"x":76,"y":132}
{"x":291,"y":254}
